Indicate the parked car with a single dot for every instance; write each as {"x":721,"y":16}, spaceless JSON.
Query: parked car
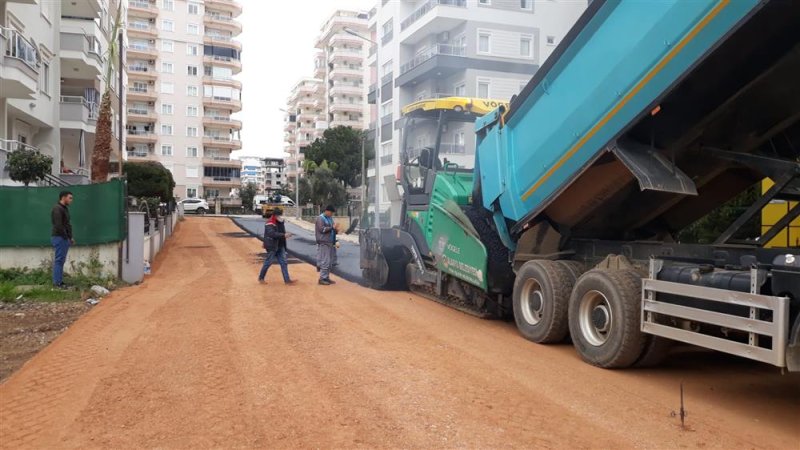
{"x":286,"y":201}
{"x":196,"y":205}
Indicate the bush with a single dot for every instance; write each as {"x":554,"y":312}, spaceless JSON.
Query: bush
{"x":27,"y":166}
{"x":149,"y":179}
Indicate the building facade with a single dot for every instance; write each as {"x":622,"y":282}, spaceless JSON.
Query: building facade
{"x":52,"y":69}
{"x":466,"y":48}
{"x":182,"y":59}
{"x":305,"y":121}
{"x":266,"y":173}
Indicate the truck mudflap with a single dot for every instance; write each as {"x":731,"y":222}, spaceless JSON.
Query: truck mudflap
{"x":752,"y":325}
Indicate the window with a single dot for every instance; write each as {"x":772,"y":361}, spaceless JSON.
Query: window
{"x":526,"y":46}
{"x":191,"y":152}
{"x":483,"y":89}
{"x":167,"y":67}
{"x":191,"y":131}
{"x":194,"y":8}
{"x":386,"y":68}
{"x":193,"y":28}
{"x":191,"y":192}
{"x":191,"y":91}
{"x":167,"y":88}
{"x":386,"y":108}
{"x":551,"y":40}
{"x":388,"y":27}
{"x":166,"y":108}
{"x":526,"y":4}
{"x":166,"y":149}
{"x":191,"y":111}
{"x":192,"y":50}
{"x":167,"y":25}
{"x":44,"y":87}
{"x":168,"y":5}
{"x":460,"y":90}
{"x":166,"y":130}
{"x":191,"y":71}
{"x":167,"y":46}
{"x":212,"y":193}
{"x":484,"y":42}
{"x":191,"y":172}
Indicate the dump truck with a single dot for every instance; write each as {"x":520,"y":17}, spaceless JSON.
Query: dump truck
{"x":647,"y":117}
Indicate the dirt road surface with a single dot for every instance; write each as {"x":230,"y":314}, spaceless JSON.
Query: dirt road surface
{"x":201,"y":356}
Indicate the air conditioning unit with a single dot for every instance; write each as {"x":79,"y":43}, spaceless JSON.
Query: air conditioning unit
{"x":444,"y":36}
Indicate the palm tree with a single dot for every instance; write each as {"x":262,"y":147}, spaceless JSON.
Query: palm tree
{"x":103,"y":135}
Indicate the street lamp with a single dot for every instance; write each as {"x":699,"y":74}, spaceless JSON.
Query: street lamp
{"x":296,"y":178}
{"x":377,"y":221}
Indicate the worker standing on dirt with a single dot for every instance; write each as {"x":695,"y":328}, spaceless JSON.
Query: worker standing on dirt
{"x":61,"y":236}
{"x":325,"y":231}
{"x":275,"y":236}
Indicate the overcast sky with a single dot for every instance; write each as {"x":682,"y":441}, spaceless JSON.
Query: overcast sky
{"x":277,"y":50}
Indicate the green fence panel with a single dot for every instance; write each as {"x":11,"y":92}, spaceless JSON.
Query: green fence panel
{"x":97,"y":214}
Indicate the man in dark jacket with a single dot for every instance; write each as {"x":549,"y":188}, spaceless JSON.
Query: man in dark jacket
{"x":275,"y":244}
{"x":325,"y":232}
{"x":61,"y":236}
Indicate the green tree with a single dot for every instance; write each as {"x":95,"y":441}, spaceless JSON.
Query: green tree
{"x":28,"y":165}
{"x":149,"y":179}
{"x":707,"y":229}
{"x":102,"y":143}
{"x":322,"y":188}
{"x":247,"y":193}
{"x":341,"y":146}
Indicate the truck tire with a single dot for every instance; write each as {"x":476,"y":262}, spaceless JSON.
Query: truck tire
{"x":604,"y":316}
{"x":656,"y":348}
{"x":541,"y":300}
{"x":499,"y":275}
{"x":576,"y":268}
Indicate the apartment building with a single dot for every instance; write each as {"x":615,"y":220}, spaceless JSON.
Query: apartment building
{"x":469,"y":48}
{"x":51,"y":82}
{"x":305,"y":121}
{"x":266,"y":173}
{"x":336,"y":94}
{"x":182,"y":59}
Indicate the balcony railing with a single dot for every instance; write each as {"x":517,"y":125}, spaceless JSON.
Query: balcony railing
{"x":387,"y":78}
{"x":142,"y":48}
{"x":12,"y":146}
{"x":138,"y":153}
{"x":430,"y":52}
{"x":452,"y":149}
{"x":141,"y":111}
{"x":220,"y":17}
{"x":140,"y":26}
{"x":141,"y":4}
{"x":141,"y":68}
{"x":92,"y":108}
{"x":144,"y":133}
{"x":427,"y":6}
{"x":223,"y":59}
{"x":20,"y":48}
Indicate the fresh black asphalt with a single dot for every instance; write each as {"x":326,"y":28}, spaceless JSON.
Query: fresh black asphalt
{"x":303,"y":246}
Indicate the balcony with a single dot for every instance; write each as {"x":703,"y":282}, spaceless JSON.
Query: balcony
{"x":222,"y":121}
{"x":223,"y":102}
{"x":141,"y":137}
{"x":141,"y":8}
{"x":81,"y":54}
{"x":142,"y":72}
{"x":345,"y":54}
{"x":224,"y":61}
{"x":138,"y":51}
{"x":289,"y":126}
{"x":346,"y":72}
{"x":141,"y":155}
{"x":306,"y":115}
{"x":223,"y":181}
{"x":78,"y":113}
{"x":142,"y":30}
{"x":222,"y":81}
{"x":137,"y":93}
{"x":337,"y":23}
{"x":347,"y":88}
{"x":222,"y":142}
{"x":357,"y":124}
{"x":439,"y":60}
{"x":306,"y":102}
{"x":222,"y":41}
{"x":19,"y":71}
{"x":142,"y":115}
{"x":223,"y":22}
{"x":432,"y":17}
{"x":229,"y":6}
{"x":346,"y":107}
{"x":221,"y":161}
{"x":345,"y":39}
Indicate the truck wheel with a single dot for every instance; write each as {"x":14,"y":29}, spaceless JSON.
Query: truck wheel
{"x":541,"y":300}
{"x":604,"y":316}
{"x":656,"y":348}
{"x":574,"y":267}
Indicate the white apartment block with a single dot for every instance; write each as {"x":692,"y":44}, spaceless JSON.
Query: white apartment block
{"x":468,"y":48}
{"x":182,"y":58}
{"x":305,"y":120}
{"x":336,"y":95}
{"x":266,"y":173}
{"x":52,"y":64}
